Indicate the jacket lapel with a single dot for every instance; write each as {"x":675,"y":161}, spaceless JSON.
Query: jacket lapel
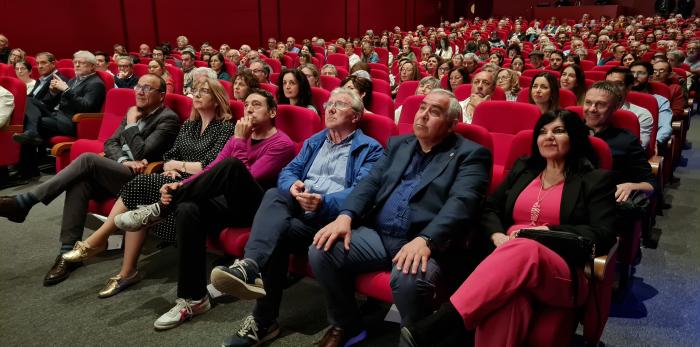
{"x":571,"y":191}
{"x":398,"y":166}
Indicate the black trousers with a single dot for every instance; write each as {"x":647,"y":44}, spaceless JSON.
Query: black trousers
{"x":225,"y":196}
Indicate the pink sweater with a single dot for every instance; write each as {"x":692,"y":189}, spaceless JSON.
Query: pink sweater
{"x":264,"y":159}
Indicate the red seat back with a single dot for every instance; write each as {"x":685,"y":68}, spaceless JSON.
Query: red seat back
{"x":406,"y":89}
{"x":382,"y":104}
{"x":231,"y":68}
{"x":339,"y":60}
{"x":140,"y":69}
{"x":182,"y":105}
{"x":275,"y":64}
{"x":107,"y":79}
{"x":379,"y":74}
{"x":648,"y":102}
{"x":476,"y":134}
{"x":506,"y":117}
{"x":237,"y":108}
{"x":228,"y":87}
{"x":270,"y":88}
{"x":602,"y":151}
{"x":66,"y":72}
{"x":595,"y":75}
{"x":299,"y":123}
{"x":381,"y":86}
{"x":465,"y":90}
{"x":329,"y":82}
{"x":408,"y":113}
{"x":378,"y":127}
{"x":535,"y":72}
{"x":378,"y":66}
{"x":178,"y":78}
{"x":320,"y":96}
{"x":117,"y":103}
{"x":660,"y":89}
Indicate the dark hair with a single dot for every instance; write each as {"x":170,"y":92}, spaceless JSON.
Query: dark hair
{"x":499,"y":56}
{"x":360,"y":65}
{"x":25,"y":64}
{"x":221,"y":59}
{"x":304,"y":97}
{"x":629,"y":78}
{"x":514,"y":47}
{"x":553,"y":90}
{"x":248,"y":78}
{"x":462,"y":71}
{"x":188,"y":52}
{"x":269,"y":99}
{"x":580,"y":88}
{"x":626,"y":54}
{"x":102,"y":54}
{"x":580,"y":158}
{"x":362,"y":85}
{"x":650,"y":71}
{"x":517,"y":57}
{"x":49,"y":56}
{"x":559,"y":53}
{"x":575,"y":57}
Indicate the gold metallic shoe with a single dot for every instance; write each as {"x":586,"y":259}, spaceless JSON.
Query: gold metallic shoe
{"x":116,"y":284}
{"x":82,"y":251}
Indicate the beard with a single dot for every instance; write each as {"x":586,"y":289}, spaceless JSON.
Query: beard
{"x":642,"y":87}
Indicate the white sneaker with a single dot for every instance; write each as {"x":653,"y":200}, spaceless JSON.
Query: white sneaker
{"x":140,"y":218}
{"x":183,"y":311}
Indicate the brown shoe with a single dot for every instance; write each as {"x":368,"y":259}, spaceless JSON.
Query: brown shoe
{"x":60,"y":270}
{"x":339,"y":337}
{"x":11,"y":210}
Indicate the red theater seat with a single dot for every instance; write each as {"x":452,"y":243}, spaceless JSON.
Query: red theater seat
{"x":406,"y":89}
{"x":408,"y":112}
{"x":10,"y":148}
{"x":465,"y":90}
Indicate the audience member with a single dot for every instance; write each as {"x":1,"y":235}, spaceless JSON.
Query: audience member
{"x":145,"y":133}
{"x":544,"y":92}
{"x":307,"y":197}
{"x":16,"y":55}
{"x":572,"y":78}
{"x":312,"y":75}
{"x":642,"y":70}
{"x":125,"y":78}
{"x":536,"y":59}
{"x":623,"y":78}
{"x":456,"y":77}
{"x":217,"y":63}
{"x":425,"y":86}
{"x":23,"y":70}
{"x":662,"y":74}
{"x":367,"y":236}
{"x":362,"y":86}
{"x":243,"y":83}
{"x":294,"y":89}
{"x":157,"y":67}
{"x":483,"y":85}
{"x":260,"y":71}
{"x":329,"y":70}
{"x":188,"y":67}
{"x":509,"y":81}
{"x":500,"y":288}
{"x":144,"y":51}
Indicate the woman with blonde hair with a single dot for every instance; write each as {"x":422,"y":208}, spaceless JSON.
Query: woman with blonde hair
{"x":509,"y":81}
{"x":199,"y":141}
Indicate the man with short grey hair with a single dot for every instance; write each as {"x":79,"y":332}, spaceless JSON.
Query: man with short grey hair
{"x":483,"y":85}
{"x":83,"y":94}
{"x":309,"y":194}
{"x":411,"y":215}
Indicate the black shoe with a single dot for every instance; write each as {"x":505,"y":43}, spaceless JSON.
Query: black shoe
{"x":250,"y":334}
{"x":240,"y":280}
{"x":26,"y":138}
{"x":10,"y":209}
{"x":433,"y":330}
{"x":60,"y":271}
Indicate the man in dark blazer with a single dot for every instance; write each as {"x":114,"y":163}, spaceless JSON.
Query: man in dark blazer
{"x":414,"y":209}
{"x":83,"y":94}
{"x":146,"y":132}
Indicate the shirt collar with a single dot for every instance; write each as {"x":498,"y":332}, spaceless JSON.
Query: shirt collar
{"x":345,"y":140}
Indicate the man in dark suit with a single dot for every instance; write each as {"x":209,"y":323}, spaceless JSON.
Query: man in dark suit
{"x":146,"y":132}
{"x":84,"y":93}
{"x":414,"y":209}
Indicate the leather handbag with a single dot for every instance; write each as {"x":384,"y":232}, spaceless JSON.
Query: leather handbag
{"x":575,"y":249}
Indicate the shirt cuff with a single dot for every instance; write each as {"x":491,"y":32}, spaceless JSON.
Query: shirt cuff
{"x":122,"y":159}
{"x":128,"y":126}
{"x":347,"y":213}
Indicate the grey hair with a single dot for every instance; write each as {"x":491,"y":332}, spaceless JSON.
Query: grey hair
{"x":357,"y":105}
{"x":88,"y":56}
{"x":329,"y":66}
{"x":204,"y":71}
{"x":430,"y":50}
{"x":678,"y":55}
{"x":472,"y":56}
{"x":454,"y":111}
{"x":430,"y":81}
{"x":127,"y":58}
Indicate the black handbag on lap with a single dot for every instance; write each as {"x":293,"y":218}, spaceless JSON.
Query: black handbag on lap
{"x":576,"y":250}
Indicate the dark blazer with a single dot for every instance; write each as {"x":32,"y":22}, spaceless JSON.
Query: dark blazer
{"x":587,"y":205}
{"x":447,"y":200}
{"x":128,"y":82}
{"x":157,"y":136}
{"x":86,"y":97}
{"x":42,"y":94}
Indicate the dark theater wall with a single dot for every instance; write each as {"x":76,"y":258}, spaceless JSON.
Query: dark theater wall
{"x":65,"y":26}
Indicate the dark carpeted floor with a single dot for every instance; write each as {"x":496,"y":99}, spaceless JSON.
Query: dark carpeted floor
{"x":661,"y":309}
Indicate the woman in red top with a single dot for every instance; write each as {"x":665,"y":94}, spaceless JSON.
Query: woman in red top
{"x":557,"y":188}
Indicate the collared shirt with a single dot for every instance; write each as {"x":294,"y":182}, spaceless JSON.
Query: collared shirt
{"x":43,"y":80}
{"x":646,"y":121}
{"x":327,"y":173}
{"x":394,"y":219}
{"x":127,"y":155}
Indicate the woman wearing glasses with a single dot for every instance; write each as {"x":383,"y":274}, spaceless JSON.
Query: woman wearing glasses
{"x":23,"y":70}
{"x":199,"y":141}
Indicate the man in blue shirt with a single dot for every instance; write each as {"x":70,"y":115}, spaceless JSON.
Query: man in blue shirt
{"x":412,"y":212}
{"x":309,"y":194}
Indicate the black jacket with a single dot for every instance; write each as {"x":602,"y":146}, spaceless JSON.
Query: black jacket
{"x":157,"y":136}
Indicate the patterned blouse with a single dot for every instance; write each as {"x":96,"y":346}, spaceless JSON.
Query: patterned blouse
{"x":192,"y":146}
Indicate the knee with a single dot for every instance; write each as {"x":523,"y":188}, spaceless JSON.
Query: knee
{"x":232,"y":163}
{"x":185,"y":211}
{"x":422,"y":282}
{"x":87,"y":160}
{"x":318,"y":258}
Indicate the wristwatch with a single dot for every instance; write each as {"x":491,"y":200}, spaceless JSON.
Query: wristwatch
{"x":428,"y":242}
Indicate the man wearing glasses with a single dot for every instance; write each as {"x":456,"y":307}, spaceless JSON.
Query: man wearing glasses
{"x":145,"y":133}
{"x":308,"y":196}
{"x":125,"y":78}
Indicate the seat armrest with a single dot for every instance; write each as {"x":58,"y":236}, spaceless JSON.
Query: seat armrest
{"x":80,"y":116}
{"x":656,"y":163}
{"x":61,"y":148}
{"x":154,"y":167}
{"x":13,"y":128}
{"x":601,"y":264}
{"x":677,"y":125}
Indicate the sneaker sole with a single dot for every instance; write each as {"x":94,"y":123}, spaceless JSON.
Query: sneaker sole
{"x":229,"y":284}
{"x":176,"y":324}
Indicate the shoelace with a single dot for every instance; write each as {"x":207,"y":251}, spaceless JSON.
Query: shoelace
{"x":238,"y":265}
{"x":249,"y":326}
{"x":142,"y":215}
{"x":181,"y":303}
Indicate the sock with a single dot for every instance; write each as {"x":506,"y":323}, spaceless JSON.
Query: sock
{"x":252,"y":264}
{"x":65,"y":248}
{"x":26,"y":200}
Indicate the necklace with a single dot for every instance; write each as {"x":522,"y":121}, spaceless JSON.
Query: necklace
{"x":537,"y":206}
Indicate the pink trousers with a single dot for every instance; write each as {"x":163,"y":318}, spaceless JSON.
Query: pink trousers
{"x":497,"y":298}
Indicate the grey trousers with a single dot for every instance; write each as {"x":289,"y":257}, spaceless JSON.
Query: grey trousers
{"x":336,"y":270}
{"x":90,"y":176}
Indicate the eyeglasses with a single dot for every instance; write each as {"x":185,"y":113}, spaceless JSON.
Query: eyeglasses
{"x":639,"y":73}
{"x":157,"y":54}
{"x":80,"y":62}
{"x":338,"y":105}
{"x":200,"y":91}
{"x":123,"y":66}
{"x":660,"y":71}
{"x":145,"y":89}
{"x":256,"y":105}
{"x":503,"y":78}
